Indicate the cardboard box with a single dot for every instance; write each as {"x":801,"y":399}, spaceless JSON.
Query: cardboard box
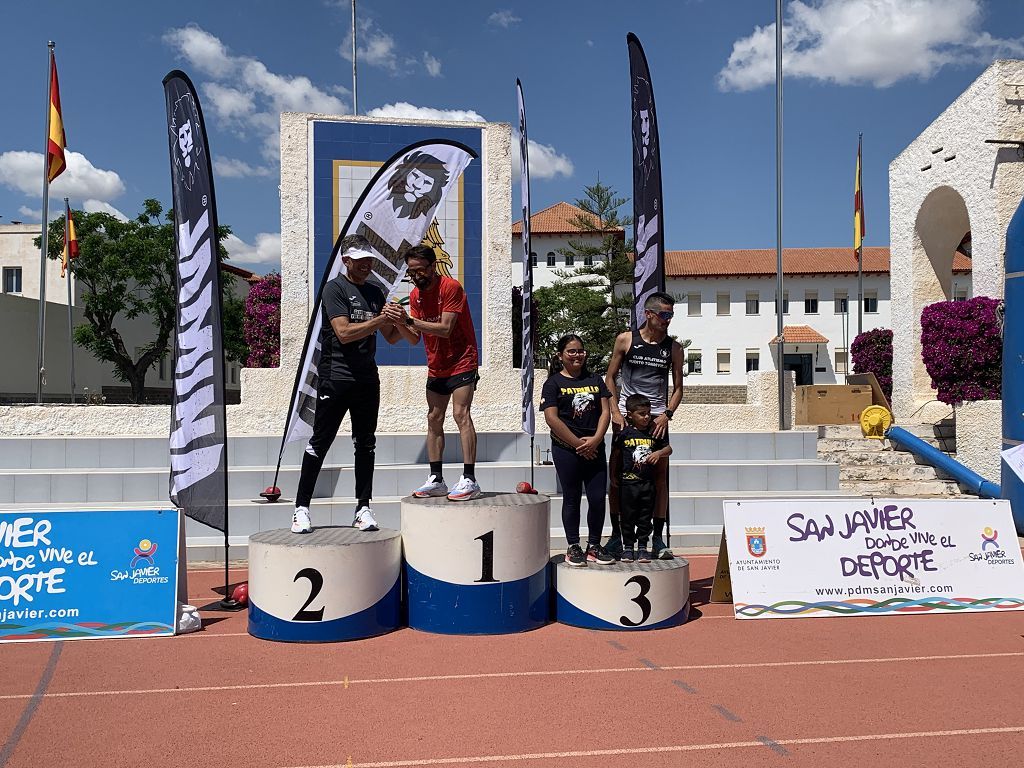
{"x":831,"y":403}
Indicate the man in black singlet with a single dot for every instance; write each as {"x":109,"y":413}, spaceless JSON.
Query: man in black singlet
{"x":644,"y":358}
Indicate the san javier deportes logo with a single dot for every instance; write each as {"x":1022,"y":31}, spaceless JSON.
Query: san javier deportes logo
{"x":991,"y":553}
{"x":143,"y":568}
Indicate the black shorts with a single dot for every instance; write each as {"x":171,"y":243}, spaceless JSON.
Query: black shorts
{"x":445,"y":385}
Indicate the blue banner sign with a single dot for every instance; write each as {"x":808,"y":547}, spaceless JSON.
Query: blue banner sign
{"x":72,"y":574}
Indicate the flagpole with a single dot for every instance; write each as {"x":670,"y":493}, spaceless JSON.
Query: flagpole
{"x":71,"y":324}
{"x":355,"y":101}
{"x":860,"y":248}
{"x":779,"y":302}
{"x":41,"y":351}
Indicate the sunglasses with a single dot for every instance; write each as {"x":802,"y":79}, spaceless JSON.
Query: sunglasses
{"x":665,"y":314}
{"x":418,"y":272}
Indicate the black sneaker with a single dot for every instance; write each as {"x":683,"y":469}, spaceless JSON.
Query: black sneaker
{"x":599,"y":555}
{"x":661,"y":552}
{"x":627,"y":555}
{"x":642,"y":555}
{"x":614,"y":546}
{"x":574,"y":556}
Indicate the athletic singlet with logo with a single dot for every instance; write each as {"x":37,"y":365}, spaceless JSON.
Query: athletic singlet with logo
{"x":645,"y":371}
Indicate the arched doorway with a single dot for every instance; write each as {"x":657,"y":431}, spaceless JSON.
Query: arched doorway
{"x":940,"y":228}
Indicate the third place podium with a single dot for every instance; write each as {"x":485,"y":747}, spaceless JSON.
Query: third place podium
{"x":479,"y":566}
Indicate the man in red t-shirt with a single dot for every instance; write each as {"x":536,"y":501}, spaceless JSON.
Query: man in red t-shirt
{"x":439,"y":312}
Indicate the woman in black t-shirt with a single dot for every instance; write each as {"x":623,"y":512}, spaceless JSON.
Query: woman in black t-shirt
{"x":575,"y":406}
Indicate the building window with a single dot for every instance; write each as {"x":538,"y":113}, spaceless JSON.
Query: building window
{"x":588,"y":260}
{"x":959,"y":294}
{"x":870,"y":302}
{"x":840,"y":361}
{"x":163,"y":368}
{"x":724,"y":358}
{"x":785,"y":303}
{"x":722,"y":300}
{"x":811,"y":303}
{"x":570,"y":260}
{"x":12,"y":279}
{"x":533,"y":258}
{"x":234,"y":374}
{"x":693,"y":304}
{"x":842,"y":305}
{"x":551,"y":258}
{"x":753,"y":304}
{"x":693,"y":361}
{"x":753,"y":360}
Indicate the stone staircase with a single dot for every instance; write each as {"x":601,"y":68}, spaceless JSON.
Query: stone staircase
{"x":877,"y":468}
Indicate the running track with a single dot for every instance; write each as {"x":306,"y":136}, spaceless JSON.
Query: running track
{"x":905,"y":691}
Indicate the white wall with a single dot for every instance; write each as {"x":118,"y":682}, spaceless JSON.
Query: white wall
{"x":544,"y":275}
{"x":18,"y":250}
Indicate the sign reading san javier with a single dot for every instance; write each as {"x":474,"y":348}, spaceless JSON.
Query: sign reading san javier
{"x":68,"y":575}
{"x":870,"y":557}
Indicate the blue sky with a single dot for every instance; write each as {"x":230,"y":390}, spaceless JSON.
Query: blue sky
{"x":882,"y":67}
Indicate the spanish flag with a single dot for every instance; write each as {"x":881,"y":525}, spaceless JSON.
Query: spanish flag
{"x":70,"y":241}
{"x":858,"y":205}
{"x":56,"y":141}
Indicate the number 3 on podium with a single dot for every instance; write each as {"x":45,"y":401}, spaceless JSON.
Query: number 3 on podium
{"x":640,"y":599}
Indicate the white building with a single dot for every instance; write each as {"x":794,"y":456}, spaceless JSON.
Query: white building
{"x":19,"y":317}
{"x":551,"y":231}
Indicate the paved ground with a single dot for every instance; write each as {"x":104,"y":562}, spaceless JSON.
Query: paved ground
{"x":907,"y":691}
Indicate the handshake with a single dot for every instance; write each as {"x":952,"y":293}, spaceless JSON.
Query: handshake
{"x":394,"y":311}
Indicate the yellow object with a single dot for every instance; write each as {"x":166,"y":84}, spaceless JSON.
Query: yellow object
{"x":874,"y":420}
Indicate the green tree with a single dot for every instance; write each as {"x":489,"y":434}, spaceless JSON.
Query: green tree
{"x":593,"y":301}
{"x":125,"y":270}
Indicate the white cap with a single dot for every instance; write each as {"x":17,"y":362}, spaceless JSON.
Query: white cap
{"x":358,"y":253}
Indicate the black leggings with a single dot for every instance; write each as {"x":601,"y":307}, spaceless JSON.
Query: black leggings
{"x":362,"y":401}
{"x":576,"y":474}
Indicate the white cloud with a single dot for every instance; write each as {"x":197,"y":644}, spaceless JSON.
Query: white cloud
{"x":232,"y":168}
{"x":590,"y":43}
{"x":503,"y":19}
{"x":858,"y":42}
{"x":545,"y":161}
{"x":406,"y":111}
{"x":246,"y":96}
{"x":36,"y":214}
{"x":433,"y":65}
{"x":22,"y":171}
{"x":99,"y":206}
{"x":265,"y":251}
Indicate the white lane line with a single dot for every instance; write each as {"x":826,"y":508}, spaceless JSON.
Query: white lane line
{"x":672,"y":748}
{"x":506,"y":675}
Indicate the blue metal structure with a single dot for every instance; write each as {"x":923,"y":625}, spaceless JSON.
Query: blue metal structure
{"x":1013,"y":361}
{"x":968,"y":478}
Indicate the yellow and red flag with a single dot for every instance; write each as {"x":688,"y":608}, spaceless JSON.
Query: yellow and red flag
{"x":858,"y":206}
{"x":56,"y":140}
{"x":70,"y":241}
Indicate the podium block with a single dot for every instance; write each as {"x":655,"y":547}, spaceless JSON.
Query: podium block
{"x":332,"y":584}
{"x":624,"y":596}
{"x":476,"y":567}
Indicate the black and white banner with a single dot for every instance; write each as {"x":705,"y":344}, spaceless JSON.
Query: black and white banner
{"x":526,"y":363}
{"x":393,"y":213}
{"x":648,"y":222}
{"x":198,"y":483}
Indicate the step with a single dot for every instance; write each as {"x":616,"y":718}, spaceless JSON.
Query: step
{"x":857,"y":458}
{"x":873,"y":472}
{"x":924,"y":431}
{"x":405,"y":448}
{"x":852,"y":445}
{"x":902,"y":488}
{"x":34,"y":486}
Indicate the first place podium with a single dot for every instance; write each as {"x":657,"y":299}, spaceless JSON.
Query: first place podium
{"x":336,"y":583}
{"x":477,"y":567}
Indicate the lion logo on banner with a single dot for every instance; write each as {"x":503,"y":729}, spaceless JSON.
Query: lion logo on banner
{"x":417,"y":185}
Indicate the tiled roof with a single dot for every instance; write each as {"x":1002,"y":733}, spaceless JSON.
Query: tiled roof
{"x":800,"y":334}
{"x":558,"y":219}
{"x":795,"y":261}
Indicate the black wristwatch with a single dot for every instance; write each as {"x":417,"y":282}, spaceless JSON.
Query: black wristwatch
{"x":408,"y":320}
{"x":669,"y":413}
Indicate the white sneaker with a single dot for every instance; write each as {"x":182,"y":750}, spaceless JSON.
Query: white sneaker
{"x":300,"y":521}
{"x":433,"y":487}
{"x":364,"y":520}
{"x":464,"y":490}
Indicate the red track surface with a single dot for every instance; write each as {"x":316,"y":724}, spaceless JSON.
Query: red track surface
{"x":907,"y":691}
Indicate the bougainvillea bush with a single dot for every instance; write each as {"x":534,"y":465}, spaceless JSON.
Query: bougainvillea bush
{"x":871,"y":352}
{"x":263,"y":322}
{"x":962,"y":349}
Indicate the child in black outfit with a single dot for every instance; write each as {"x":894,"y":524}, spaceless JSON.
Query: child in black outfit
{"x":639,"y":452}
